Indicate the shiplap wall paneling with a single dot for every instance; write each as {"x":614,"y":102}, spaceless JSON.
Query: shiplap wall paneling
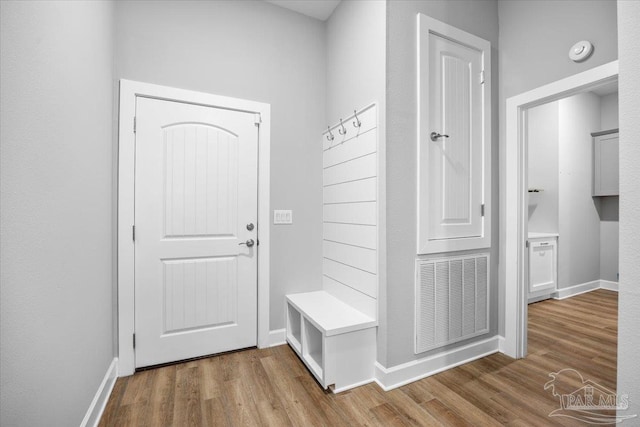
{"x":364,"y":236}
{"x":354,"y":298}
{"x":363,"y":190}
{"x":342,"y":151}
{"x":360,"y":280}
{"x":350,"y":219}
{"x":360,"y":258}
{"x":353,"y":170}
{"x":351,"y":213}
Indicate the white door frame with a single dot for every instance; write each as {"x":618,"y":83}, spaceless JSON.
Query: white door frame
{"x":514,"y":223}
{"x":129,"y":90}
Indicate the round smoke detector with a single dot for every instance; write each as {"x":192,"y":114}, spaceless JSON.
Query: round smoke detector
{"x":580,"y":51}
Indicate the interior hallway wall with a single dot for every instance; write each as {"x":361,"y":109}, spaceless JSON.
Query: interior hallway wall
{"x":252,"y":50}
{"x":56,"y":197}
{"x":535,"y":37}
{"x":609,"y":111}
{"x":478,"y":17}
{"x":356,"y":76}
{"x":542,"y":150}
{"x":629,"y":298}
{"x":609,"y":206}
{"x":579,"y":222}
{"x":356,"y":37}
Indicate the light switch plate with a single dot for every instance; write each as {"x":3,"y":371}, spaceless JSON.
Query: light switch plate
{"x":283,"y":217}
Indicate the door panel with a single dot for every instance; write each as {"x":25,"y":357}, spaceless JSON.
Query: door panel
{"x":456,"y":111}
{"x":201,"y":170}
{"x":199,"y":293}
{"x":196,"y":189}
{"x":607,"y":159}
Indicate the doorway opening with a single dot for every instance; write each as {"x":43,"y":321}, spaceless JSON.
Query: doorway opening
{"x":514,"y":251}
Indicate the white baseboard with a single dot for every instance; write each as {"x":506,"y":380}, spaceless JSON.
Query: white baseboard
{"x":582,"y":288}
{"x":574,"y":290}
{"x":609,"y":285}
{"x":397,"y":376}
{"x":501,"y":346}
{"x":541,"y":298}
{"x":92,"y":417}
{"x":350,"y":386}
{"x":277,"y":337}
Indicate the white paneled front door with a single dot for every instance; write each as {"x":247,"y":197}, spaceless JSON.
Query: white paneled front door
{"x":195,"y":231}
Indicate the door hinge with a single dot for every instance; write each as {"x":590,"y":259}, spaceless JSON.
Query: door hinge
{"x":134,"y":124}
{"x":134,"y":340}
{"x":526,"y":244}
{"x":133,"y":233}
{"x":482,"y":77}
{"x":482,"y":210}
{"x":258,"y":119}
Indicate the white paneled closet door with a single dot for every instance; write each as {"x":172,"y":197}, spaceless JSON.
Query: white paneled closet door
{"x":454,"y":142}
{"x":455,"y":111}
{"x":195,"y":264}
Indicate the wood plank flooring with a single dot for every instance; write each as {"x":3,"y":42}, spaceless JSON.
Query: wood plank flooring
{"x":272,"y":387}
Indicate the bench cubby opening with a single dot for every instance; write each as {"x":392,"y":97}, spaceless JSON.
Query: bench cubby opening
{"x":294,"y":329}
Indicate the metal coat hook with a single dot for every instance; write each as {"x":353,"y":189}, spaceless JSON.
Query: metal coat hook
{"x":330,"y":137}
{"x":357,"y":123}
{"x":343,"y":130}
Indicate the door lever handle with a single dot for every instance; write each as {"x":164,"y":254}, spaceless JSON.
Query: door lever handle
{"x":249,"y":243}
{"x":436,"y":135}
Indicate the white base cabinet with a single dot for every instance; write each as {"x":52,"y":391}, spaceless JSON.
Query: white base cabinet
{"x":543,"y":264}
{"x":336,"y":342}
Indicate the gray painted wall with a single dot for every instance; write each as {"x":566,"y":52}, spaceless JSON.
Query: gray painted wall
{"x":609,"y":238}
{"x":542,"y":145}
{"x":629,"y":298}
{"x":476,"y":17}
{"x":257,"y":51}
{"x":609,"y":111}
{"x":579,"y":222}
{"x":355,"y":61}
{"x":56,"y":198}
{"x":609,"y":218}
{"x":356,"y":76}
{"x":535,"y":37}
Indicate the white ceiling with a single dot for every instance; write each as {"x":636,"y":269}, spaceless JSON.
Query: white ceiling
{"x":319,"y":9}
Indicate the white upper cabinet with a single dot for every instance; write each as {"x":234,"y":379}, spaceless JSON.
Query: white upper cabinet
{"x":454,"y":139}
{"x":605,"y":163}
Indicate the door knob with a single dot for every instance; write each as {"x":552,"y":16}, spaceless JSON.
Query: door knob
{"x":436,"y":135}
{"x":249,"y":243}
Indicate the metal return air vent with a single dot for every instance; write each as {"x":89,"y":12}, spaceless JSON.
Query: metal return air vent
{"x":452,"y":297}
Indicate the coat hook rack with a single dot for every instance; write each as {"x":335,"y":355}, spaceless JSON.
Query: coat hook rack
{"x":357,"y":123}
{"x":330,"y":137}
{"x":342,"y":130}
